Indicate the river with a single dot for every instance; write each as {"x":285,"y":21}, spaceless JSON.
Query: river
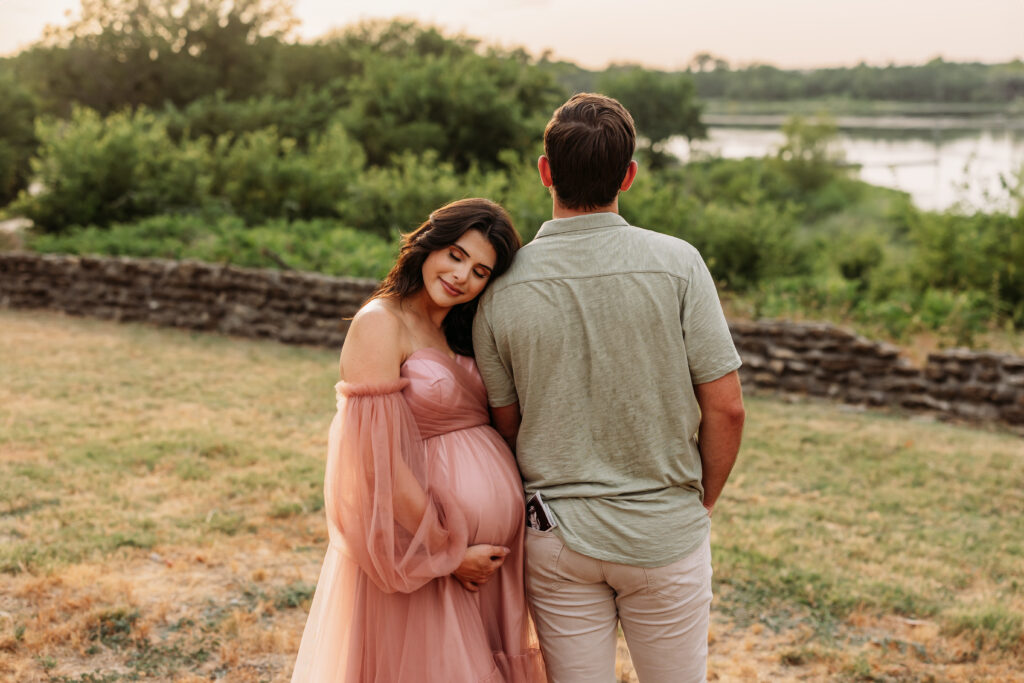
{"x":941,"y":163}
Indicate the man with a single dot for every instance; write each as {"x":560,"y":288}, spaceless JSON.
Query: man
{"x":610,"y":369}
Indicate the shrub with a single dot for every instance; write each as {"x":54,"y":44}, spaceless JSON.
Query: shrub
{"x":859,"y":254}
{"x":260,"y":175}
{"x":300,"y":117}
{"x":962,"y":314}
{"x":747,"y":245}
{"x":317,"y":245}
{"x":95,"y":171}
{"x":983,"y":252}
{"x":394,"y":199}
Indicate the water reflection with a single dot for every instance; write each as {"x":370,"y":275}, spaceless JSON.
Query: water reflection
{"x":939,"y":168}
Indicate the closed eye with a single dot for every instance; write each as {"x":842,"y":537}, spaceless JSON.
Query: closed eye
{"x":457,"y":254}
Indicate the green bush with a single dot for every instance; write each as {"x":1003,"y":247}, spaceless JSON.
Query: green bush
{"x":859,"y":254}
{"x":97,"y":171}
{"x":394,"y":199}
{"x":317,"y":245}
{"x":299,"y":117}
{"x":981,"y":252}
{"x":803,"y":296}
{"x":962,"y":314}
{"x":155,"y":237}
{"x":261,"y":175}
{"x":747,"y":245}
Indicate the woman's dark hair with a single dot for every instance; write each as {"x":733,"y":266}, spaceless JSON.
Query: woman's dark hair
{"x":442,"y":229}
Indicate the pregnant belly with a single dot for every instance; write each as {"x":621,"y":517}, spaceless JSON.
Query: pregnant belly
{"x":485,"y":482}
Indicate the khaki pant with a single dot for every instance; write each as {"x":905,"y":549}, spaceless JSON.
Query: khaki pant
{"x":578,"y":601}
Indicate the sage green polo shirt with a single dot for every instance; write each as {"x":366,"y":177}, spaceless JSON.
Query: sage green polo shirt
{"x":599,"y":331}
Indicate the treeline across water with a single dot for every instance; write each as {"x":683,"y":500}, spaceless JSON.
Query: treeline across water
{"x":202,"y":132}
{"x":938,"y":81}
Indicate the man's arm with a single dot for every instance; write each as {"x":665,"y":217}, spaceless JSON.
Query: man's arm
{"x":721,"y":427}
{"x":506,"y":420}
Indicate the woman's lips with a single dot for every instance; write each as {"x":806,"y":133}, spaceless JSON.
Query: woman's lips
{"x":451,"y":290}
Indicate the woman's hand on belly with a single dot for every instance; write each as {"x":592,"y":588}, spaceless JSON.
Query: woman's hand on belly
{"x":479,"y":564}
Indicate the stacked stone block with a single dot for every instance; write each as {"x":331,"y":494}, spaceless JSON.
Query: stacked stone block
{"x":301,"y":308}
{"x":823,"y":360}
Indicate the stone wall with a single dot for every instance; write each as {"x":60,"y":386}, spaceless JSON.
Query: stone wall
{"x":822,"y":360}
{"x":301,"y":308}
{"x":813,"y":359}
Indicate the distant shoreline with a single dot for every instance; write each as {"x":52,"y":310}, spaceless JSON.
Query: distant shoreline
{"x":876,"y":122}
{"x":867,"y":114}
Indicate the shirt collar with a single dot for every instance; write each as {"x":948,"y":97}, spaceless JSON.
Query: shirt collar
{"x":588,"y":221}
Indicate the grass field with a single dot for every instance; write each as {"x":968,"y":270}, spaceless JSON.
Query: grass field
{"x":161,"y":519}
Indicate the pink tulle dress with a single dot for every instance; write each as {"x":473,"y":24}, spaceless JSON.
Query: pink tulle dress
{"x":386,"y":609}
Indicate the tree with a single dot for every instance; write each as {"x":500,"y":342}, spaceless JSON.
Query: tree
{"x":810,"y":156}
{"x":18,"y":141}
{"x":419,"y":93}
{"x":148,"y":52}
{"x":702,"y":61}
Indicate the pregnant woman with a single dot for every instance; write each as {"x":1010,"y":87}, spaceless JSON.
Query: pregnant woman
{"x":423,"y":578}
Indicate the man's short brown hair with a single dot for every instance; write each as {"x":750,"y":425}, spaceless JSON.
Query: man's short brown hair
{"x":589,"y":143}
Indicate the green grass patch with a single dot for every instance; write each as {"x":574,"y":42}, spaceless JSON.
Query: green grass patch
{"x":831,"y":512}
{"x":992,"y":625}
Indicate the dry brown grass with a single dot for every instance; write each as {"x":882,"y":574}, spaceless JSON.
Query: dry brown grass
{"x":159,"y":518}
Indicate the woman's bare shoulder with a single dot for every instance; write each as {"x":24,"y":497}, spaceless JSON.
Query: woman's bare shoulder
{"x":375,"y":344}
{"x":379,"y":313}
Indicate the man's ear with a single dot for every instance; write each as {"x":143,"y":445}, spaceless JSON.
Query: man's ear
{"x":544,"y":168}
{"x":630,"y":176}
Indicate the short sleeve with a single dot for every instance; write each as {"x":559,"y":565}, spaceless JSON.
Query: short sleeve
{"x":495,"y":370}
{"x":377,"y":472}
{"x":710,"y":351}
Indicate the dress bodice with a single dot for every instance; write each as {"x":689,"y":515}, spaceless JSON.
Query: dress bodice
{"x":445,"y":394}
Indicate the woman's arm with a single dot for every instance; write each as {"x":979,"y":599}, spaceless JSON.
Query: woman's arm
{"x":373,"y":353}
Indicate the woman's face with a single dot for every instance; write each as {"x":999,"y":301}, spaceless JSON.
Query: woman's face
{"x":460,"y":271}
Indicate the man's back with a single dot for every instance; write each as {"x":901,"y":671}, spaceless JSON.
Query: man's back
{"x":599,"y":331}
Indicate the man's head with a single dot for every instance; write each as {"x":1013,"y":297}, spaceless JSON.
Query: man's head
{"x":589,"y":144}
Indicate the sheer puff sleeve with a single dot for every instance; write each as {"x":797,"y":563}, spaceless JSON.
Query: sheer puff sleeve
{"x":388,"y":507}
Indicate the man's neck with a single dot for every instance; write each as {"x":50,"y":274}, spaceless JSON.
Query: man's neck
{"x":560,"y":211}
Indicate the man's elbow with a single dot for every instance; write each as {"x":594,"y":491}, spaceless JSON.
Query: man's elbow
{"x":730,"y":414}
{"x":736,"y":413}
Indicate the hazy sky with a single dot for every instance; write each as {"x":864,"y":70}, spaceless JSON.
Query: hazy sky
{"x":667,"y":33}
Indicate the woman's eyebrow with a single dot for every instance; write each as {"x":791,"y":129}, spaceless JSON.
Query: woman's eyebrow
{"x":468,"y":255}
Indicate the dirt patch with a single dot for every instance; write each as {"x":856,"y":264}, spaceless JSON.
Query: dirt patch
{"x":231,"y":612}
